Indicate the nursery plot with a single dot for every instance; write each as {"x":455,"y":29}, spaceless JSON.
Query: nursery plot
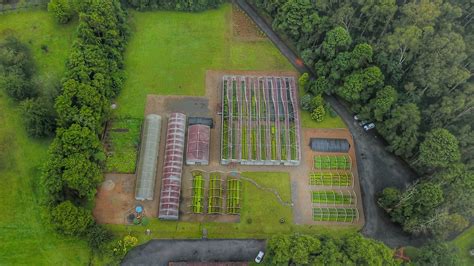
{"x":215,"y":194}
{"x":198,"y":192}
{"x":332,"y":197}
{"x":342,"y":162}
{"x":233,"y":195}
{"x":122,"y":140}
{"x":260,"y":121}
{"x":341,"y":179}
{"x":335,"y":214}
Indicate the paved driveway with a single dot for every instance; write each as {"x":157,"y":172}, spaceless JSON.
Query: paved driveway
{"x":160,"y":252}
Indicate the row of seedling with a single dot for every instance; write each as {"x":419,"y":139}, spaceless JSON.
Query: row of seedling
{"x":197,"y":192}
{"x":335,"y":214}
{"x":233,"y":195}
{"x":341,"y":162}
{"x":340,"y":179}
{"x":215,"y":196}
{"x":332,"y":197}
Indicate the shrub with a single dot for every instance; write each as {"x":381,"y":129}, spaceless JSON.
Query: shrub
{"x":121,"y":247}
{"x":317,"y":101}
{"x":70,"y":219}
{"x":38,"y":116}
{"x":63,"y":10}
{"x":303,"y":80}
{"x":18,"y":86}
{"x":306,"y":102}
{"x":98,"y":237}
{"x":318,"y":114}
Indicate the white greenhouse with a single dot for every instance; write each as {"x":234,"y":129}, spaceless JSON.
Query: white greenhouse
{"x":150,"y":146}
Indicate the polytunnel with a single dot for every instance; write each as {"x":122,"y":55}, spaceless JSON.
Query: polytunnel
{"x":173,"y":167}
{"x":150,"y":144}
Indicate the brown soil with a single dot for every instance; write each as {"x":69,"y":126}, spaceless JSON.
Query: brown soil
{"x":243,"y":28}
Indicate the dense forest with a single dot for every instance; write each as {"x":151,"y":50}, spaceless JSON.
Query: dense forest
{"x":407,"y":65}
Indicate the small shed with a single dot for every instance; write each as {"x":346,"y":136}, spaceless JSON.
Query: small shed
{"x":197,"y":150}
{"x":148,"y":158}
{"x":329,"y":145}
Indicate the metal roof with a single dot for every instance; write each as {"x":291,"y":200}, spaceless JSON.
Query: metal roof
{"x":329,"y":145}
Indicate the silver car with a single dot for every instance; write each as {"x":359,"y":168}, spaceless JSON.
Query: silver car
{"x":259,"y":257}
{"x":369,"y":126}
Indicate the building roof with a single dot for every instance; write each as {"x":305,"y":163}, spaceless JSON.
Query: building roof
{"x":329,"y":145}
{"x":148,"y":156}
{"x":197,"y":150}
{"x":173,"y":167}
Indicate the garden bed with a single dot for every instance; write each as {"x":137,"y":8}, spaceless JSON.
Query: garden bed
{"x":332,"y":197}
{"x":215,"y":194}
{"x":233,"y":196}
{"x":122,"y":140}
{"x":342,"y":179}
{"x":335,"y":214}
{"x":198,"y":192}
{"x":342,"y":162}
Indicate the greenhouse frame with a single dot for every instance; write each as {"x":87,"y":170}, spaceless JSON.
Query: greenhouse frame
{"x":336,"y":215}
{"x":332,"y":179}
{"x":149,"y":149}
{"x":260,"y":121}
{"x":173,"y":167}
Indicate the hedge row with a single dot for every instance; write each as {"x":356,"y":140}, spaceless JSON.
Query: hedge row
{"x":94,"y":75}
{"x":179,"y":5}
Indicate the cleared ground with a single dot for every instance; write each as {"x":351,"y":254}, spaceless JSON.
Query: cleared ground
{"x":24,"y":239}
{"x":170,"y":52}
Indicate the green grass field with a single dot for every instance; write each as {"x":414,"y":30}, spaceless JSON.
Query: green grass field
{"x":169,"y":53}
{"x":328,"y":122}
{"x":260,"y":216}
{"x":123,"y":138}
{"x":24,"y":239}
{"x":464,"y":243}
{"x":37,"y":28}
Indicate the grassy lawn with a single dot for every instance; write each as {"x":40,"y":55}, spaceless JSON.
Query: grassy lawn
{"x":123,"y":140}
{"x":169,"y":53}
{"x":464,"y":243}
{"x":24,"y":239}
{"x":37,"y":28}
{"x":260,"y":216}
{"x":328,"y":122}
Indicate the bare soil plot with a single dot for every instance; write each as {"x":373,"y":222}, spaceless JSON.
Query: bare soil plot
{"x":243,"y":28}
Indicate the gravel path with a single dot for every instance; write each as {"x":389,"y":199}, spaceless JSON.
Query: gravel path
{"x":160,"y":252}
{"x":377,"y":167}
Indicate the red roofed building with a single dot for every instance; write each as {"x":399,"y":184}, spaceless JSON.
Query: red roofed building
{"x":197,"y":149}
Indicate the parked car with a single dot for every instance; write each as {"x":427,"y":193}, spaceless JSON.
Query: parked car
{"x":369,"y":126}
{"x":364,"y":122}
{"x":259,"y":257}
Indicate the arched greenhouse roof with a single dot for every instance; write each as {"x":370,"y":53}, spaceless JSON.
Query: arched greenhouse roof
{"x":150,"y":144}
